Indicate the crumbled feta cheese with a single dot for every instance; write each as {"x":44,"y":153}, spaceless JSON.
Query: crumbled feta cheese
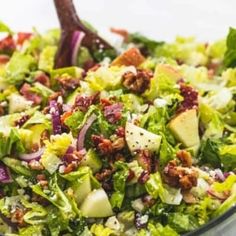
{"x":138,"y":205}
{"x":113,"y":223}
{"x":159,"y":102}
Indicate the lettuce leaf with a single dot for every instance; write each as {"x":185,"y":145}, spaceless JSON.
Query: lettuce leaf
{"x":100,"y":230}
{"x":119,"y":180}
{"x":19,"y":67}
{"x":4,"y":28}
{"x":230,"y":54}
{"x":31,"y":230}
{"x":46,"y":58}
{"x":156,"y":188}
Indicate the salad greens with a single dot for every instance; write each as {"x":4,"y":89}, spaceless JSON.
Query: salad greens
{"x":143,"y":144}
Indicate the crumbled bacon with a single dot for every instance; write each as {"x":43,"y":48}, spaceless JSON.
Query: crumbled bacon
{"x":146,"y":160}
{"x":120,"y":131}
{"x":113,"y":113}
{"x":7,"y":45}
{"x":83,"y":102}
{"x":22,"y":120}
{"x":43,"y":79}
{"x":138,"y":82}
{"x":29,"y":95}
{"x":21,"y":37}
{"x":190,"y":96}
{"x":4,"y":59}
{"x":68,"y":83}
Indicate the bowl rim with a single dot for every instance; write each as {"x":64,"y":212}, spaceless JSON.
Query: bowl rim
{"x":216,"y":221}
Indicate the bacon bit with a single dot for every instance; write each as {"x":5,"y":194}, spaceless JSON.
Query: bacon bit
{"x":35,"y":165}
{"x":65,"y":115}
{"x":146,"y":160}
{"x":122,"y":32}
{"x":75,"y":156}
{"x":131,"y":175}
{"x":71,"y":167}
{"x":105,"y":102}
{"x":68,"y":83}
{"x":139,"y":82}
{"x":29,"y":95}
{"x":22,"y":120}
{"x":7,"y":45}
{"x":148,"y":201}
{"x":43,"y":79}
{"x":144,"y":177}
{"x":120,"y":132}
{"x":113,"y":113}
{"x":190,"y":96}
{"x":132,"y":57}
{"x":21,"y":37}
{"x":4,"y":59}
{"x":18,"y":216}
{"x":185,"y":158}
{"x":83,"y":102}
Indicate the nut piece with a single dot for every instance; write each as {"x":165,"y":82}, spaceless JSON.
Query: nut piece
{"x":131,"y":57}
{"x":137,"y":83}
{"x":185,"y":158}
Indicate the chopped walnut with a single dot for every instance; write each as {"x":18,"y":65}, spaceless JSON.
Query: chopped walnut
{"x":137,"y":83}
{"x":17,"y":216}
{"x":35,"y":165}
{"x":146,"y":160}
{"x":185,"y":158}
{"x":188,"y":197}
{"x":70,"y":167}
{"x":118,"y":144}
{"x":104,"y":174}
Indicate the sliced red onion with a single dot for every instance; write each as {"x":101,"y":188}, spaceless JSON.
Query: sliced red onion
{"x":219,"y":175}
{"x":83,"y":131}
{"x":32,"y":156}
{"x":75,"y":45}
{"x":56,"y":120}
{"x":5,"y":176}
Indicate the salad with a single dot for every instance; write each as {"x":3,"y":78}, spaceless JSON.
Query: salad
{"x":137,"y":140}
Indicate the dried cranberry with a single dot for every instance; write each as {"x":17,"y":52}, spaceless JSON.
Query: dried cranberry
{"x":143,"y":178}
{"x":113,"y":113}
{"x":21,"y":37}
{"x":43,"y":79}
{"x":7,"y":45}
{"x":120,"y":131}
{"x":130,"y":176}
{"x":29,"y":95}
{"x":84,"y":102}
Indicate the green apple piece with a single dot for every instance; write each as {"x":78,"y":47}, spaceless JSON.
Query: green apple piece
{"x":139,"y":138}
{"x":96,"y":205}
{"x":92,"y":160}
{"x":18,"y":103}
{"x":81,"y":188}
{"x":185,"y":128}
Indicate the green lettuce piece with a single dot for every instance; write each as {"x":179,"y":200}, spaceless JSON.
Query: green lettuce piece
{"x":131,"y":102}
{"x":11,"y":143}
{"x":37,"y":118}
{"x":156,"y":188}
{"x":119,"y":181}
{"x":228,"y":156}
{"x":229,"y":202}
{"x":46,"y":58}
{"x":7,"y":203}
{"x":100,"y":230}
{"x":36,"y":230}
{"x":230,"y":54}
{"x":160,"y":230}
{"x":229,"y":75}
{"x":17,"y":167}
{"x":37,"y":213}
{"x":227,"y":185}
{"x":56,"y":196}
{"x":54,"y":150}
{"x":106,"y":78}
{"x":72,"y":71}
{"x":19,"y":67}
{"x":83,"y":56}
{"x":4,"y":28}
{"x":217,"y":49}
{"x":209,"y":153}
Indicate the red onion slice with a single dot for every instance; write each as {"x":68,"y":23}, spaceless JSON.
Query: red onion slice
{"x":219,"y":175}
{"x":83,"y":131}
{"x":75,"y":45}
{"x":56,"y":120}
{"x":32,"y":156}
{"x":5,"y":176}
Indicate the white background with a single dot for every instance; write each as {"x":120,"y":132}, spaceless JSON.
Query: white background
{"x":160,"y":19}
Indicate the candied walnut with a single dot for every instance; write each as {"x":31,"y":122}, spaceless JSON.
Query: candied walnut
{"x":113,"y":113}
{"x":70,"y":167}
{"x":185,"y":158}
{"x":35,"y":165}
{"x":138,"y":82}
{"x":75,"y":156}
{"x":83,"y":102}
{"x":41,"y":177}
{"x":68,"y":83}
{"x":104,"y":174}
{"x":43,"y":79}
{"x":55,"y":96}
{"x":17,"y":216}
{"x":131,"y":57}
{"x":118,"y":144}
{"x":146,"y":160}
{"x":120,"y":131}
{"x":188,"y":197}
{"x":105,"y":147}
{"x":29,"y":95}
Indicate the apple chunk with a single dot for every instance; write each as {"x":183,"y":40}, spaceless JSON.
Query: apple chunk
{"x":185,"y":128}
